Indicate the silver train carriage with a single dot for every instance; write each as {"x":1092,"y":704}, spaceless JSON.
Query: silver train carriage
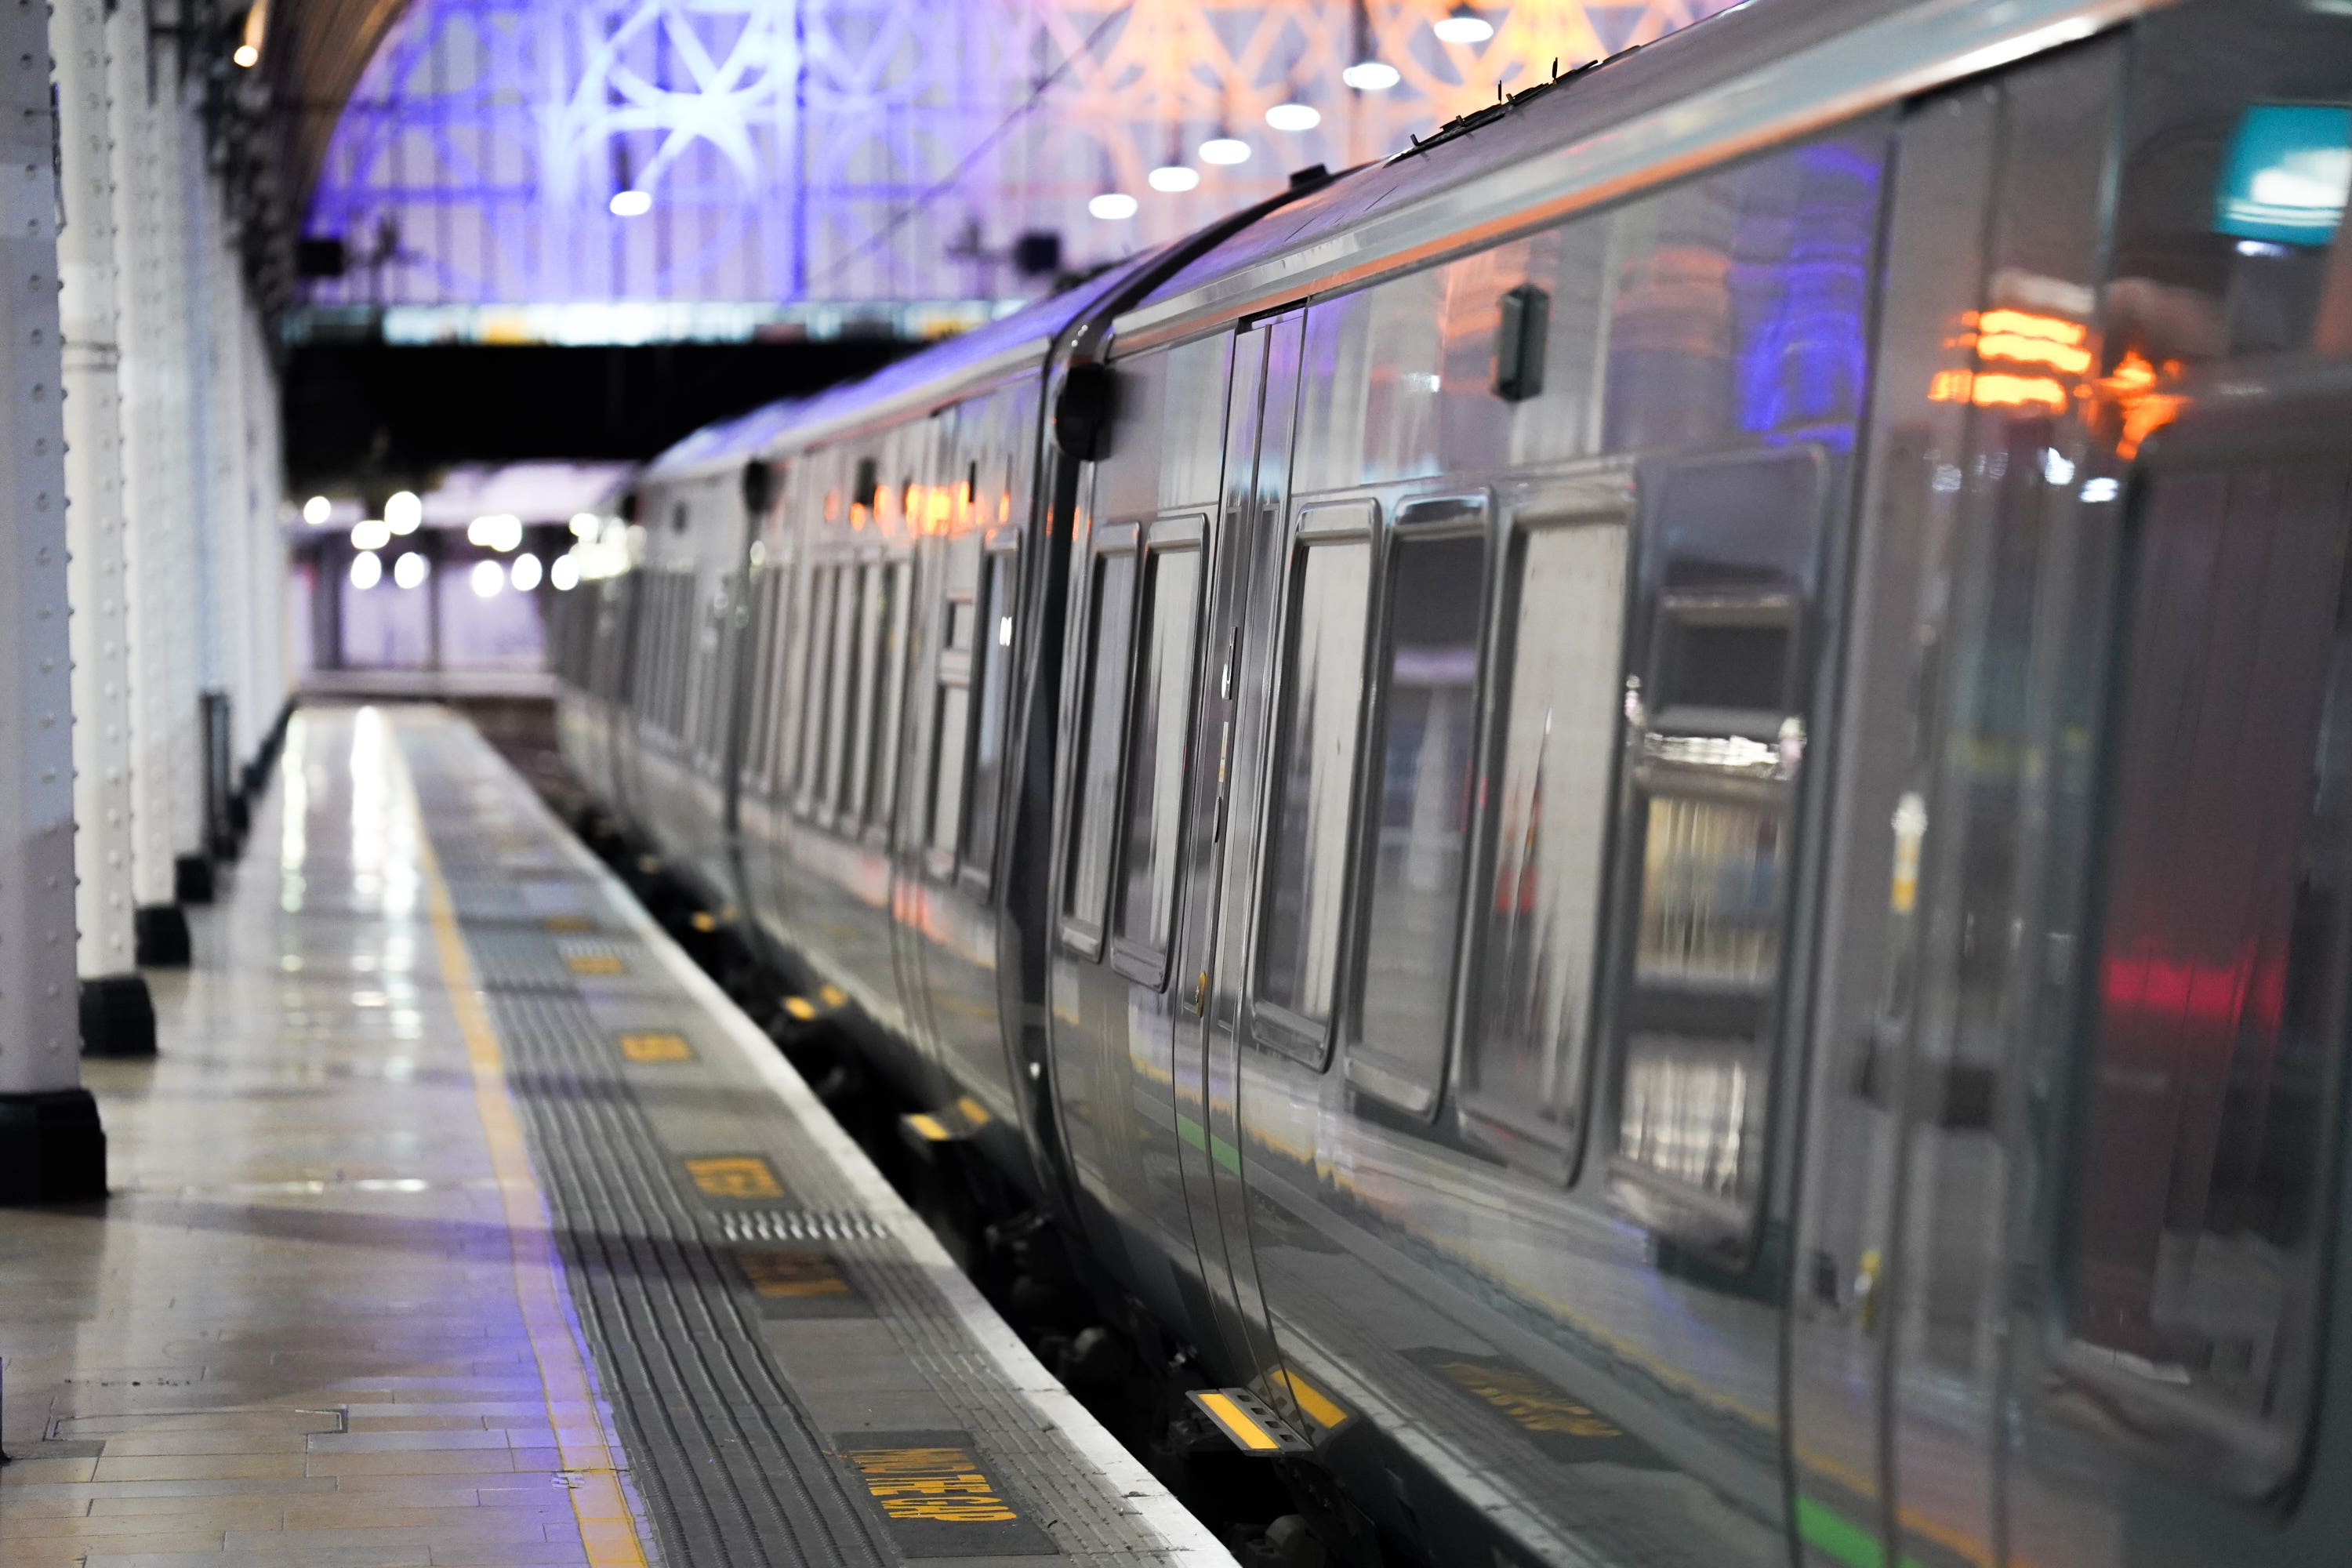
{"x":1645,"y":809}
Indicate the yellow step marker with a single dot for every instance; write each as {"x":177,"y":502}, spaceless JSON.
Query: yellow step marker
{"x":659,"y":1046}
{"x":1249,"y":1422}
{"x":592,"y":962}
{"x":568,"y":923}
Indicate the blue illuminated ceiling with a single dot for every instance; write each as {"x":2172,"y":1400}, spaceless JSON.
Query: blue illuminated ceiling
{"x":788,"y":152}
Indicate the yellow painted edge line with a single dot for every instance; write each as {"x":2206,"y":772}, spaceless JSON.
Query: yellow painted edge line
{"x":1236,"y":1422}
{"x":608,"y":1534}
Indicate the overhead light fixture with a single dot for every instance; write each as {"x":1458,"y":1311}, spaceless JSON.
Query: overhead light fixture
{"x":525,"y":572}
{"x":367,"y":569}
{"x":586,"y":525}
{"x":410,"y":570}
{"x":247,"y":56}
{"x":371,"y":534}
{"x":631,"y":204}
{"x":1462,"y":26}
{"x":318,"y":511}
{"x":1294,"y":116}
{"x":1173,"y":178}
{"x":565,"y":575}
{"x":1224,"y":149}
{"x":1113,"y":206}
{"x":489,"y":579}
{"x":402,"y":511}
{"x":1371,"y":76}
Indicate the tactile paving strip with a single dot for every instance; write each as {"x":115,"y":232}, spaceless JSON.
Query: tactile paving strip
{"x":729,"y":1466}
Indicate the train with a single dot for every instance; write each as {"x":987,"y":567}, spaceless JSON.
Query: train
{"x":1644,"y":811}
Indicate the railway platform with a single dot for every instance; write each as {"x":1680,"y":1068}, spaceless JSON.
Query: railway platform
{"x":462,"y":1221}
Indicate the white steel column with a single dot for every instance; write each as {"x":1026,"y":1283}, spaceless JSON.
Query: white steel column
{"x":51,"y":1147}
{"x":167,"y":781}
{"x":118,"y":1018}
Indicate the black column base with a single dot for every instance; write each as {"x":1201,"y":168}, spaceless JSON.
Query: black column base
{"x":52,"y":1150}
{"x":192,"y":879}
{"x":118,"y":1016}
{"x":159,"y":933}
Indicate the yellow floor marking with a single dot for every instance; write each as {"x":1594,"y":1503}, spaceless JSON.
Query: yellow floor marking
{"x":607,"y":1534}
{"x":592,"y":964}
{"x":793,"y":1274}
{"x":660,"y":1047}
{"x":735,"y":1176}
{"x":568,"y":923}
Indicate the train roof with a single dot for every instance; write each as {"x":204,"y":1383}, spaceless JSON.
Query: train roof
{"x":947,"y":371}
{"x":1752,"y":77}
{"x":728,"y":442}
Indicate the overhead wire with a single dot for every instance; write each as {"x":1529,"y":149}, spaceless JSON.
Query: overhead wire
{"x":907,"y":214}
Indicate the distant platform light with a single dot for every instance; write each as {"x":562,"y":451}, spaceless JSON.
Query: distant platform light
{"x":318,"y":511}
{"x":1224,"y":149}
{"x":526,"y":574}
{"x":1371,"y":76}
{"x":367,"y":569}
{"x":1294,"y":117}
{"x":500,"y":531}
{"x":404,"y":511}
{"x":489,"y":579}
{"x":1112,"y":207}
{"x":631,"y":204}
{"x":1463,"y":25}
{"x":247,"y":56}
{"x":586,"y":525}
{"x":410,"y":571}
{"x":1173,"y":178}
{"x":565,"y":575}
{"x":371,"y":534}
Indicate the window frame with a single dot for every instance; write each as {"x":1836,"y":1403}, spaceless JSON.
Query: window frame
{"x":977,"y":873}
{"x":952,"y":669}
{"x":878,"y":802}
{"x":1182,"y":534}
{"x":1081,"y":935}
{"x":1317,"y":524}
{"x":1553,"y":1148}
{"x":816,"y":690}
{"x":1368,"y":1068}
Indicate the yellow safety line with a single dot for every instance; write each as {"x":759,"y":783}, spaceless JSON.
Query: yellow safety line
{"x":607,"y":1534}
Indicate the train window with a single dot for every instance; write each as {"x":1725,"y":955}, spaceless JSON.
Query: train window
{"x":882,"y":770}
{"x":766,"y":603}
{"x":1311,"y":785}
{"x":841,"y":699}
{"x":874,"y":620}
{"x":1111,"y":608}
{"x":1425,"y":733}
{"x":2213,"y":1038}
{"x":1158,"y":733}
{"x":952,"y":719}
{"x":816,"y":691}
{"x":1000,"y":593}
{"x":1536,"y":931}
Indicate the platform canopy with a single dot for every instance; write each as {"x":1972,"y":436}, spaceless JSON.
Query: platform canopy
{"x":516,"y":168}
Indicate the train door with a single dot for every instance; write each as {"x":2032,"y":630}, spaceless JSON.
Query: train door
{"x":1246,"y":541}
{"x":1983,"y":478}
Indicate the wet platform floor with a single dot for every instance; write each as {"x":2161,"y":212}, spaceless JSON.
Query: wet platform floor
{"x":461,"y":1222}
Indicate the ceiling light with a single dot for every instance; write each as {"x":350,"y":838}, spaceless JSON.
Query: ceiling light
{"x":632,"y":204}
{"x":526,"y":574}
{"x":371,"y":534}
{"x":1463,"y":25}
{"x":409,"y":570}
{"x":490,"y":577}
{"x":1112,"y":207}
{"x":1294,"y":116}
{"x":404,"y":511}
{"x":247,"y":56}
{"x":1173,"y":177}
{"x":367,"y":569}
{"x":318,"y":511}
{"x":585,"y":525}
{"x":1371,"y":76}
{"x":1224,"y":149}
{"x":565,"y":575}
